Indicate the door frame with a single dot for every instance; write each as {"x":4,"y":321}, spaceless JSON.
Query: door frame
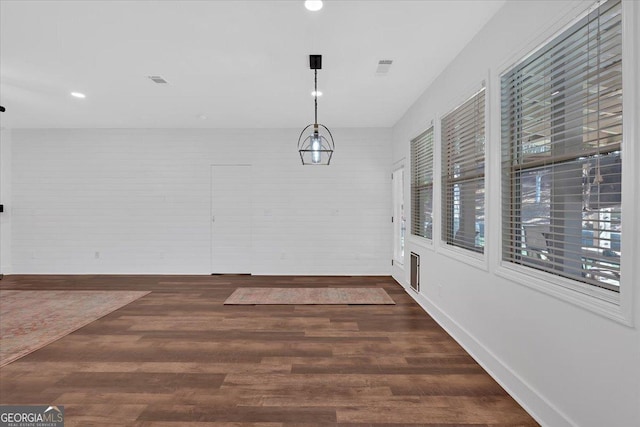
{"x":398,"y":166}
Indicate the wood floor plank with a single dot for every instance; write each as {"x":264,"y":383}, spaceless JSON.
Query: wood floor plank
{"x":179,"y":357}
{"x":131,"y":382}
{"x":187,"y":413}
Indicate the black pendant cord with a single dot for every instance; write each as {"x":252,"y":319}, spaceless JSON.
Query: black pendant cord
{"x":316,"y":94}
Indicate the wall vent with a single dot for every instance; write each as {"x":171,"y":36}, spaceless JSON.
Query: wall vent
{"x":415,"y":272}
{"x":158,"y":79}
{"x":383,"y":66}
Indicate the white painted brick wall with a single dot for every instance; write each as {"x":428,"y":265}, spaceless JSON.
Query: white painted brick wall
{"x":141,"y":198}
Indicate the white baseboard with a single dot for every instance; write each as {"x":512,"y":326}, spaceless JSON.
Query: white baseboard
{"x":543,"y":411}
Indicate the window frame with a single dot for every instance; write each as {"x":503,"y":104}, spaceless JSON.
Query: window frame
{"x":611,"y":305}
{"x":478,"y":259}
{"x":415,"y":189}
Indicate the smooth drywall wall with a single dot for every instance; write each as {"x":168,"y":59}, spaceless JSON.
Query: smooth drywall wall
{"x":5,"y":200}
{"x":566,"y":364}
{"x":138,"y":201}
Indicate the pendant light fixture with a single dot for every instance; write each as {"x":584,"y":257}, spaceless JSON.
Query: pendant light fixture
{"x":315,"y":143}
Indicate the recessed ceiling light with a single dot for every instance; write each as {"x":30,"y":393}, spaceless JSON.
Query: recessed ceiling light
{"x":78,"y":95}
{"x":313,"y":5}
{"x":314,"y":93}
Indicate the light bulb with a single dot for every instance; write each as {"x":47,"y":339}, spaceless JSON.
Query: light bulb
{"x":313,"y":5}
{"x":315,"y":147}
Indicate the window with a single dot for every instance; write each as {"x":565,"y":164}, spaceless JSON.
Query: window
{"x":463,"y":175}
{"x":561,"y":142}
{"x":422,"y":184}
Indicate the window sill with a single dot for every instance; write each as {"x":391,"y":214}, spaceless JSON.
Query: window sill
{"x":599,"y":301}
{"x":474,"y":259}
{"x":422,"y":242}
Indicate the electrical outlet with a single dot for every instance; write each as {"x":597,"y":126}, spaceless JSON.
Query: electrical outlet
{"x":96,"y":255}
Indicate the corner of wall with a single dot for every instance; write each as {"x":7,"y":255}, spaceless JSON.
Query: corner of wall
{"x":5,"y":200}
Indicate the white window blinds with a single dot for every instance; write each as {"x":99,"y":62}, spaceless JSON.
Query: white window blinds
{"x":463,"y":139}
{"x":422,"y":184}
{"x":561,"y":142}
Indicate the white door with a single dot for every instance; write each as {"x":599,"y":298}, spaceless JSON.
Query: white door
{"x":231,"y":219}
{"x":398,"y":219}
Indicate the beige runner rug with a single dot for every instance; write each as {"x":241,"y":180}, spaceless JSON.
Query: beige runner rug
{"x":267,"y":296}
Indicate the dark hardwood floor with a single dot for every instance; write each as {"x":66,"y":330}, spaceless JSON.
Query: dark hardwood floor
{"x":179,"y":357}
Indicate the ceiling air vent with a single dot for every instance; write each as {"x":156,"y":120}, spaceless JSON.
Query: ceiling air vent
{"x":157,"y":79}
{"x":383,"y":66}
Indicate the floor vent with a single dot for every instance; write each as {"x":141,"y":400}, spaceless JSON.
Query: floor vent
{"x":415,"y":272}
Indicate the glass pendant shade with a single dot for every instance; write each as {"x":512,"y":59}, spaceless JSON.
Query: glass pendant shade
{"x":315,"y":143}
{"x":314,"y":147}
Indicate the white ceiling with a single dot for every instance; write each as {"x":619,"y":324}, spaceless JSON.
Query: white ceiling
{"x":242,"y":64}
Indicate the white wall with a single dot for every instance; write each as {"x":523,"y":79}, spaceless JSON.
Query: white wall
{"x":5,"y":199}
{"x":141,"y":198}
{"x":565,"y":363}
